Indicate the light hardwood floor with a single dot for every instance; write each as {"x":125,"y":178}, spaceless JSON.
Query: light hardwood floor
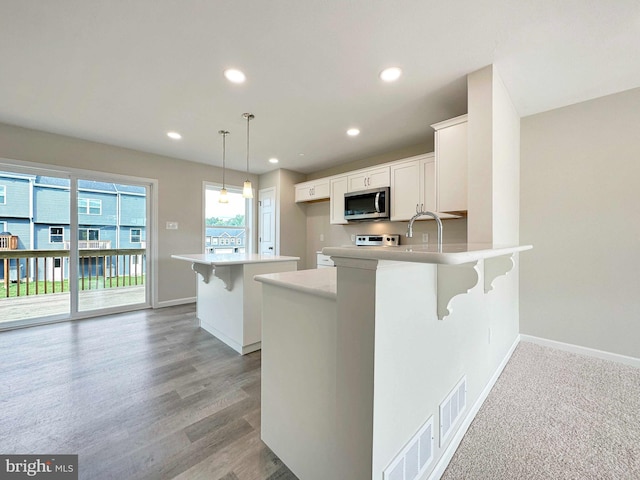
{"x":143,"y":395}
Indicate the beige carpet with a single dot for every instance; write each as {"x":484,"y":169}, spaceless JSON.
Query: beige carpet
{"x":555,"y":415}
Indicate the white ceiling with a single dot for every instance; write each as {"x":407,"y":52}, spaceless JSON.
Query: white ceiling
{"x":125,"y":72}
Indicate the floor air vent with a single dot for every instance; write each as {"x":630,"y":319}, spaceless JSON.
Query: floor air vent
{"x":451,"y":409}
{"x":415,"y":457}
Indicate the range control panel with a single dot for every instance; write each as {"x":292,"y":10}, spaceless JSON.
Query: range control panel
{"x":382,"y":240}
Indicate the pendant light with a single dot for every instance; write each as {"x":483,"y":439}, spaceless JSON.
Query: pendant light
{"x":247,"y":190}
{"x":223,"y":198}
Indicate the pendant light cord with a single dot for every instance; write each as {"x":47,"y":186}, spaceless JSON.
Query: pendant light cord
{"x":224,"y":134}
{"x":249,"y":117}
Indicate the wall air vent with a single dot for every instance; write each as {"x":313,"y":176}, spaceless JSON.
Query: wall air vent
{"x":451,"y":409}
{"x":415,"y":457}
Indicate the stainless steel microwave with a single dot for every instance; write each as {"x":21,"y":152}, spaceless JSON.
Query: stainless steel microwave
{"x":370,"y":204}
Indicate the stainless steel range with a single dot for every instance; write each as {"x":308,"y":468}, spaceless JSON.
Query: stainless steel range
{"x":380,"y":240}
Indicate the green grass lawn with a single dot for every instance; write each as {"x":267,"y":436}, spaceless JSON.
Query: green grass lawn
{"x":93,"y":285}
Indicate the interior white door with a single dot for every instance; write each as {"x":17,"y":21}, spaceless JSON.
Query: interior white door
{"x":267,"y":221}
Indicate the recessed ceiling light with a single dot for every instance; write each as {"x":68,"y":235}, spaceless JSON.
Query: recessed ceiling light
{"x":301,"y":154}
{"x":235,"y":76}
{"x":352,"y":132}
{"x":390,"y":74}
{"x":273,"y":160}
{"x":174,"y":135}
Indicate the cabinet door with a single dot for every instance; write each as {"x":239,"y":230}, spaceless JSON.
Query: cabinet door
{"x":371,"y":178}
{"x":405,"y":189}
{"x":304,"y":192}
{"x":320,"y":189}
{"x":336,"y":203}
{"x":451,"y":155}
{"x":313,"y":190}
{"x":428,"y":178}
{"x":379,"y":177}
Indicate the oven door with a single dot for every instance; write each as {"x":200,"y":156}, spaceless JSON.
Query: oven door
{"x":367,"y":204}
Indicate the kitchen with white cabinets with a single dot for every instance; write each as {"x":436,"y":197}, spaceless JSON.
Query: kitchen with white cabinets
{"x":362,"y":361}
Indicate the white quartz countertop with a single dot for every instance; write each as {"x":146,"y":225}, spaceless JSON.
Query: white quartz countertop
{"x":214,"y":259}
{"x":451,"y":254}
{"x":320,"y":282}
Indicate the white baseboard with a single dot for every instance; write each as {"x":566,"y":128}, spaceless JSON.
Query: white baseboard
{"x":471,"y":414}
{"x":173,"y":303}
{"x":590,"y":352}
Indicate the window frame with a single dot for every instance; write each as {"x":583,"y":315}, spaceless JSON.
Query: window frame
{"x":249,"y":214}
{"x":86,"y":209}
{"x":61,"y":235}
{"x":88,"y":229}
{"x":131,"y":240}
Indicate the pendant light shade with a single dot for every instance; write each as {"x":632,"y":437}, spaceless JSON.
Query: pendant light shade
{"x":247,"y":191}
{"x":223,"y":198}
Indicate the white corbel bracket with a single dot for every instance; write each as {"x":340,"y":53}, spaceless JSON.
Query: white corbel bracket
{"x":223,"y":272}
{"x":202,"y":269}
{"x":454,"y":280}
{"x":496,"y":267}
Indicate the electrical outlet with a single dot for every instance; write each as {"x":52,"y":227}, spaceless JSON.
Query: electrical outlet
{"x":172,"y":225}
{"x":322,"y":237}
{"x":425,"y":238}
{"x":353,"y":238}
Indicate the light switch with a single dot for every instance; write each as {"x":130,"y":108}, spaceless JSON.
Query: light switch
{"x":172,"y":225}
{"x":322,"y":237}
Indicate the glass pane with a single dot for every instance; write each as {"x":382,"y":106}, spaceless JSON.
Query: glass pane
{"x":34,"y":250}
{"x":112,"y":223}
{"x":225,"y":223}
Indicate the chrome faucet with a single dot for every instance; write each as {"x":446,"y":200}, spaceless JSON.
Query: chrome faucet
{"x":430,"y":214}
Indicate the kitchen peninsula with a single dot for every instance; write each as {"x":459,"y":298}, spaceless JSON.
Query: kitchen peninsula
{"x":228,"y":299}
{"x":373,"y":367}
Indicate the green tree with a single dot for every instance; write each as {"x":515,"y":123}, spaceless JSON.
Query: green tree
{"x":237,"y":221}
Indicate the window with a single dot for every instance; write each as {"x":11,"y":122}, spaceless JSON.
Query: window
{"x":56,"y":234}
{"x":3,"y":227}
{"x":227,"y":223}
{"x":3,"y":195}
{"x":89,"y":206}
{"x":135,"y":235}
{"x":85,"y":234}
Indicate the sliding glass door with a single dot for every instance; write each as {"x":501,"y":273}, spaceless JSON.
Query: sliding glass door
{"x":70,"y":246}
{"x":111,"y":246}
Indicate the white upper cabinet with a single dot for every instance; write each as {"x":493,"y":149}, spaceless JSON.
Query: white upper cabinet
{"x":369,"y":178}
{"x":338,"y":189}
{"x":451,"y":164}
{"x":312,"y":190}
{"x":413,"y":187}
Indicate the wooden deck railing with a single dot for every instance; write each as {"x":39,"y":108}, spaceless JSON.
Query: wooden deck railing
{"x":45,"y":271}
{"x":8,"y":242}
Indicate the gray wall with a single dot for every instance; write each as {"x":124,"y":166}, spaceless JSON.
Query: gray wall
{"x":180,"y":192}
{"x":580,"y":208}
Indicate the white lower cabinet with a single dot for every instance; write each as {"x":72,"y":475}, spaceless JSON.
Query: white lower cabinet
{"x":338,"y":188}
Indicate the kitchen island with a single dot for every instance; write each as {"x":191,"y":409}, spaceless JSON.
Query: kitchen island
{"x":378,"y":366}
{"x":228,"y":300}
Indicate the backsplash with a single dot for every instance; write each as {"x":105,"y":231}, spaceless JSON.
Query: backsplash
{"x":454,"y":231}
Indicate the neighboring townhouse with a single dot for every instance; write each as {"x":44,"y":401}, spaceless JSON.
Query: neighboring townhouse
{"x":224,"y":240}
{"x":36,"y":209}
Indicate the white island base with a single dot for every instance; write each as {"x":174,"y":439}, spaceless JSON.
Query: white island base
{"x":360,"y":376}
{"x":229,"y":300}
